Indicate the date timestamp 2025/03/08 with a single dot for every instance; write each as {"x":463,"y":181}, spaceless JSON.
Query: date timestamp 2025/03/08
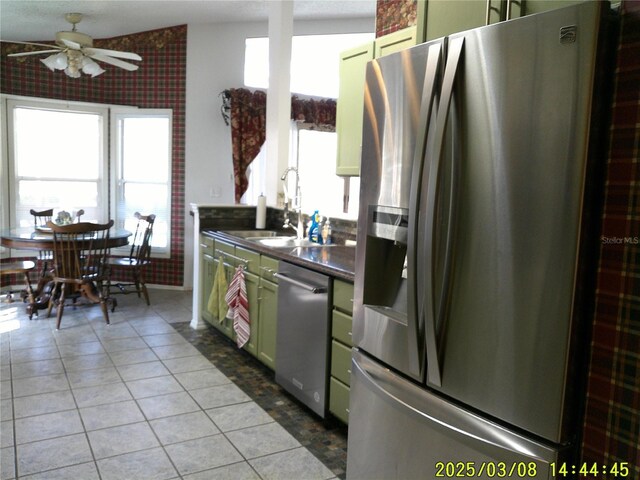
{"x":527,"y":470}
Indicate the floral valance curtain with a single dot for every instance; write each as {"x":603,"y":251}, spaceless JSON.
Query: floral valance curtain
{"x":320,"y":112}
{"x":247,"y":115}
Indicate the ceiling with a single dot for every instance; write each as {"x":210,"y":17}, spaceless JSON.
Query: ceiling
{"x":27,"y":20}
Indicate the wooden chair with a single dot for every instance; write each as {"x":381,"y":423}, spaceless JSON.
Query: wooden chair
{"x":21,"y":267}
{"x":80,"y":252}
{"x":139,"y":258}
{"x":40,"y":220}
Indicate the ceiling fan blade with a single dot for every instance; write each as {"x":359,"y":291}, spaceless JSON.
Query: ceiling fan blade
{"x":111,"y":53}
{"x":49,"y":45}
{"x":22,"y":54}
{"x":71,"y":44}
{"x":115,"y":62}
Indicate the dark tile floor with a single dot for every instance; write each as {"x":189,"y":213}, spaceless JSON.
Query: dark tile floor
{"x":326,"y":439}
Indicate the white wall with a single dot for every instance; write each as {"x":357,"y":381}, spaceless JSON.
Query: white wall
{"x":215,"y":62}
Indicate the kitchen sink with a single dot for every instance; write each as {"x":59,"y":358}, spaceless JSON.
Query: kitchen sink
{"x":274,"y":238}
{"x":283,"y":242}
{"x":254,"y":234}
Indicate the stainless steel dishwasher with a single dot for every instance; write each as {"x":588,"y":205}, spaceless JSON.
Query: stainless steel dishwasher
{"x":302,"y":343}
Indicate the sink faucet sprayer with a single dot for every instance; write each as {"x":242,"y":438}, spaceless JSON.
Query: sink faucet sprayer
{"x":297,"y":202}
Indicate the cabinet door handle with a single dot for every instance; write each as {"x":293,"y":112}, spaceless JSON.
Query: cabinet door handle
{"x":519,"y":3}
{"x":495,"y":9}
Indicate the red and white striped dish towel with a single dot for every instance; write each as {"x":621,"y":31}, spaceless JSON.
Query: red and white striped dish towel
{"x":238,"y":303}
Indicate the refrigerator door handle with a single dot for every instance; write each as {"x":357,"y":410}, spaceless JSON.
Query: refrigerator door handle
{"x":425,"y":408}
{"x":414,"y":257}
{"x":432,"y":313}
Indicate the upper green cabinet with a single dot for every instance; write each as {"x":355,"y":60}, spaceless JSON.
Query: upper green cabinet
{"x":537,"y":6}
{"x":396,"y":41}
{"x":435,"y":19}
{"x":349,"y":110}
{"x":438,"y":18}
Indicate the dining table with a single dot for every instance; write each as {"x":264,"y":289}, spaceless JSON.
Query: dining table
{"x":41,"y":239}
{"x":29,"y":238}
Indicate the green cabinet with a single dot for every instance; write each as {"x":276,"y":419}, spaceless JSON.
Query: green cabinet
{"x":350,"y":107}
{"x":207,"y":270}
{"x":341,"y":345}
{"x":230,"y":257}
{"x":225,"y":325}
{"x":224,"y":253}
{"x":250,"y":261}
{"x":262,"y":294}
{"x":537,"y":6}
{"x":268,"y":323}
{"x":268,"y":305}
{"x":396,"y":41}
{"x":349,"y":110}
{"x":252,"y":283}
{"x":439,"y":18}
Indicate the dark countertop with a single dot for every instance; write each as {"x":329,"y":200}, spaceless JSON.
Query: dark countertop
{"x":335,"y":260}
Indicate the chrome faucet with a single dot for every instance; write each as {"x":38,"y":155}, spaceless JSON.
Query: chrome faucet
{"x":297,"y":202}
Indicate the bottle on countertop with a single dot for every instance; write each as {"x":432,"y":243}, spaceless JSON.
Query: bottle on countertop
{"x":314,"y":229}
{"x":261,"y":212}
{"x":326,"y":232}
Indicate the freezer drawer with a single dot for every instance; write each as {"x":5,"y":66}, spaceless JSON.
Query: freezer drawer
{"x":399,"y":431}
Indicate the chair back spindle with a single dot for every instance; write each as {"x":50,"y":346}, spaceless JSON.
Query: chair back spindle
{"x":41,"y":218}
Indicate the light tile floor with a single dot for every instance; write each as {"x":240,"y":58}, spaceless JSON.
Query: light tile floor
{"x":132,"y":400}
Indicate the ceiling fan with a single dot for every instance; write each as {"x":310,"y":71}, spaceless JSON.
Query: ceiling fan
{"x":74,"y":53}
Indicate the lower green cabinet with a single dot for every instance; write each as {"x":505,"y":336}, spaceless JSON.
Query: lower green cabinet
{"x":225,"y":325}
{"x":252,"y":283}
{"x":341,"y":344}
{"x":207,"y":270}
{"x":341,"y":362}
{"x":268,"y":305}
{"x":339,"y":399}
{"x":262,"y":295}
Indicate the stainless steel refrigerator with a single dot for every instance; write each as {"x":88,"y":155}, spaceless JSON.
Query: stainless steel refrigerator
{"x":477,"y":231}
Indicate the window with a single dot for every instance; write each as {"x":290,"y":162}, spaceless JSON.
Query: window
{"x":314,"y":62}
{"x":320,"y":186}
{"x":143,"y":171}
{"x":58,"y":157}
{"x":57,"y":160}
{"x":314,"y":71}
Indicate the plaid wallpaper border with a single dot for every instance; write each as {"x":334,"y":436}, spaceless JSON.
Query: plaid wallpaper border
{"x":159,"y":83}
{"x":612,"y":416}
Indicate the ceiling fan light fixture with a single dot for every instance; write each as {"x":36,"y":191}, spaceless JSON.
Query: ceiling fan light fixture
{"x":74,"y":51}
{"x":72,"y":72}
{"x":90,"y":67}
{"x":57,"y":61}
{"x":74,"y":63}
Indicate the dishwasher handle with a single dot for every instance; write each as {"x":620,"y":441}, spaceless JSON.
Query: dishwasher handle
{"x":298,"y":283}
